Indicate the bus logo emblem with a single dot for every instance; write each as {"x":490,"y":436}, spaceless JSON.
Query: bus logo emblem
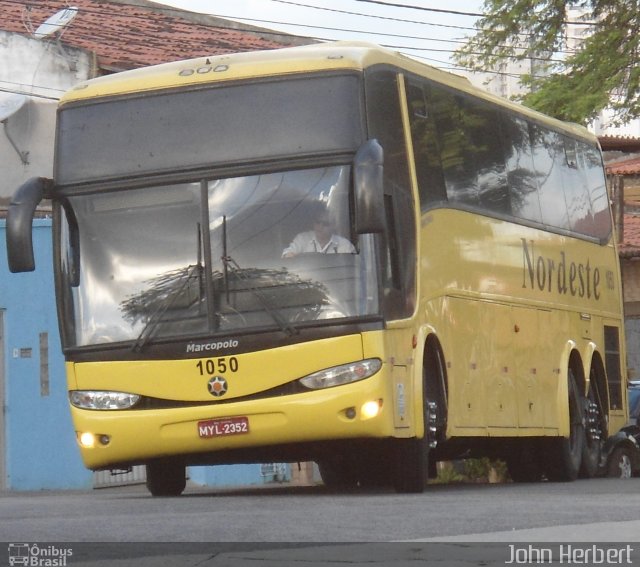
{"x":217,"y":386}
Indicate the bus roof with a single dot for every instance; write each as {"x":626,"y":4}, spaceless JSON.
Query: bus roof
{"x":339,"y":55}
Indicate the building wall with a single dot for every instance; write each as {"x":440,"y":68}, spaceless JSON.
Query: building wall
{"x":631,"y":287}
{"x":32,"y":129}
{"x":43,"y":68}
{"x":43,"y":71}
{"x":41,"y":451}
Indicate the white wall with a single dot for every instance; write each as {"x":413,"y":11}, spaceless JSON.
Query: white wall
{"x":42,"y":70}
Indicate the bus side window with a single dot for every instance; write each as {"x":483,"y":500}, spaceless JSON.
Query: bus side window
{"x":521,"y":175}
{"x":598,"y":192}
{"x":426,"y":151}
{"x":384,"y":121}
{"x":487,"y":156}
{"x":471,"y":152}
{"x":576,"y":192}
{"x":548,"y":158}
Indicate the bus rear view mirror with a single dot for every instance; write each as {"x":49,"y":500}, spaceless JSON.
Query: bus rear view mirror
{"x":19,"y":223}
{"x":369,"y":188}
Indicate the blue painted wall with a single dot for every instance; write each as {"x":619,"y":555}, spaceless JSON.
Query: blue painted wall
{"x":41,"y":451}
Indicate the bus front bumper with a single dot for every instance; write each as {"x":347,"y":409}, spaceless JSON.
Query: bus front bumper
{"x":120,"y":437}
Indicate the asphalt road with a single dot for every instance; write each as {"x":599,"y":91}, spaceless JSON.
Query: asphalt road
{"x":604,"y":509}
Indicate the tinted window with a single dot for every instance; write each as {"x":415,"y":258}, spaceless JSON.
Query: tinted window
{"x":521,"y":174}
{"x":576,"y":192}
{"x":385,"y":123}
{"x":598,"y":192}
{"x":454,"y":144}
{"x":204,"y":127}
{"x":425,"y":146}
{"x":487,"y":155}
{"x":548,"y":159}
{"x":471,"y":151}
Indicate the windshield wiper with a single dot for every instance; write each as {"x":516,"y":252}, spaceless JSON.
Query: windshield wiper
{"x":164,"y":306}
{"x":167,"y":282}
{"x":229,"y":262}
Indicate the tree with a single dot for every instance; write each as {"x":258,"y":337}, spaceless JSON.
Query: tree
{"x":604,"y":71}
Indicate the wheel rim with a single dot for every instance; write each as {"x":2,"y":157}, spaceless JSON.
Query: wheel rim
{"x":624,"y":464}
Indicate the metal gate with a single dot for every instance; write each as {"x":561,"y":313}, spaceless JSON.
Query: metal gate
{"x":119,"y":477}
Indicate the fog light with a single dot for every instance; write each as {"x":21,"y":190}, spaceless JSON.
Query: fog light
{"x":104,"y":439}
{"x":87,"y":440}
{"x":370,"y":409}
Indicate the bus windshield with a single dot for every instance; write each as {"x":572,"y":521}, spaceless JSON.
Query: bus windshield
{"x":218,"y":256}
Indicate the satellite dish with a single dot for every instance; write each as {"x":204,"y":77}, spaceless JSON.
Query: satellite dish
{"x":9,"y":105}
{"x":56,"y":22}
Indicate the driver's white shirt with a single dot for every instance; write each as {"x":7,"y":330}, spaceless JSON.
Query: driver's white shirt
{"x":306,"y":242}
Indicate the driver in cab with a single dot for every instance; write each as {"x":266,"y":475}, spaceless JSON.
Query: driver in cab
{"x":321,"y":240}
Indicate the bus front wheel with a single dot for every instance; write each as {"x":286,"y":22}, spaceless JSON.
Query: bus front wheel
{"x":166,"y":478}
{"x":412,"y":463}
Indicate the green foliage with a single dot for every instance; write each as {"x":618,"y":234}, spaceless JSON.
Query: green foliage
{"x":472,"y":470}
{"x":575,"y":86}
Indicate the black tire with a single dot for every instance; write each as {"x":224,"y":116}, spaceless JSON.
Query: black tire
{"x":411,"y":468}
{"x":565,"y":454}
{"x":166,"y":478}
{"x":339,"y":473}
{"x":595,"y":434}
{"x":620,"y":463}
{"x":411,"y":464}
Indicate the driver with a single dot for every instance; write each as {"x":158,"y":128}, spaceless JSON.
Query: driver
{"x":321,"y":239}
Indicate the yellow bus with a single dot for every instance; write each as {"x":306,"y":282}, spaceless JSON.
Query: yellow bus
{"x":329,"y":253}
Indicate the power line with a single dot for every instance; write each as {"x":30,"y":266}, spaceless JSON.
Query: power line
{"x":438,"y":10}
{"x":28,"y":93}
{"x":376,"y":16}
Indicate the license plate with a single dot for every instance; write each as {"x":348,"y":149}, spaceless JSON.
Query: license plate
{"x":223,"y":427}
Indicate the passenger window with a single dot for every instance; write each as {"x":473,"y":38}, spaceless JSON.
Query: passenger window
{"x":472,"y":156}
{"x":576,"y":192}
{"x":426,"y":152}
{"x":598,"y":193}
{"x":521,"y":174}
{"x":548,"y":158}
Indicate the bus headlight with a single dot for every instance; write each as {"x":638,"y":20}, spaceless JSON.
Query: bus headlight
{"x":343,"y":374}
{"x":101,"y":400}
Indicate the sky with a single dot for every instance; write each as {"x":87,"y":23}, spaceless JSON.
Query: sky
{"x":428,"y":30}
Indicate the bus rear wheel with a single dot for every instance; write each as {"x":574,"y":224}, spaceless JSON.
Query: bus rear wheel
{"x":594,"y":435}
{"x":565,"y":454}
{"x":166,"y":478}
